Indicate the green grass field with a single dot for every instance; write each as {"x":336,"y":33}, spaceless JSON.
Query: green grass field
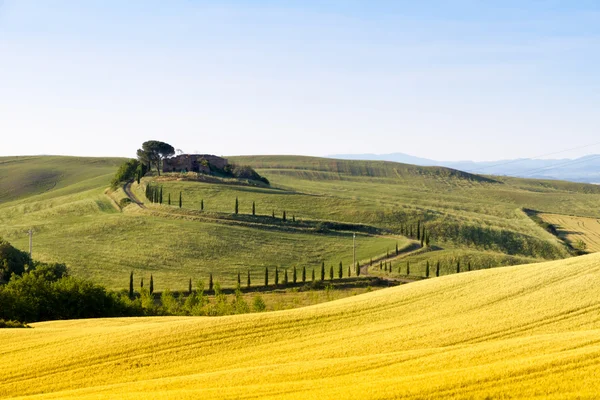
{"x":470,"y":218}
{"x":527,"y":332}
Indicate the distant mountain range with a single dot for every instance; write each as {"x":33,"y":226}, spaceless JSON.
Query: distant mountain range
{"x":584,"y":169}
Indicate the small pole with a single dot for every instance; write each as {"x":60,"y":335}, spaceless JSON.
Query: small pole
{"x":30,"y":241}
{"x":354,"y":250}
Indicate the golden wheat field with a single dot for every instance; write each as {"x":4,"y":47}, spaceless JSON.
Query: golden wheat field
{"x":530,"y":331}
{"x":575,"y":228}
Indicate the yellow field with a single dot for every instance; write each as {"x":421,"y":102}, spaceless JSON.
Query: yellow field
{"x":530,"y":331}
{"x":576,"y":228}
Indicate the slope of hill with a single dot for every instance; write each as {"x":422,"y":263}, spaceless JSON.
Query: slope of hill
{"x":471,"y":219}
{"x":583,"y":169}
{"x":32,"y":175}
{"x":528,"y":331}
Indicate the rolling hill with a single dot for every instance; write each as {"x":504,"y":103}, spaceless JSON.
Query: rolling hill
{"x":475,"y":220}
{"x":582,"y":169}
{"x":528,"y":331}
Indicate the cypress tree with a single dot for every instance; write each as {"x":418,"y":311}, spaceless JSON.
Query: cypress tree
{"x":396,"y":248}
{"x":469,"y":266}
{"x":423,"y":237}
{"x":458,"y":267}
{"x":294,"y":275}
{"x":160,"y":197}
{"x":253,"y":208}
{"x":293,"y":218}
{"x":371,"y":263}
{"x":349,"y":271}
{"x":408,"y":268}
{"x":419,"y":229}
{"x":248,"y":282}
{"x":148,"y":192}
{"x":304,"y":274}
{"x":210,"y":282}
{"x":169,"y":198}
{"x":201,"y":204}
{"x":284,"y":215}
{"x":142,"y":282}
{"x":313,"y":274}
{"x":276,"y":276}
{"x":285,"y":277}
{"x":273,"y":214}
{"x":190,"y":286}
{"x":139,"y":176}
{"x":131,"y":285}
{"x":411,"y":231}
{"x":427,"y":270}
{"x":437,"y":269}
{"x":331,"y":273}
{"x":323,"y":271}
{"x":180,"y":200}
{"x":239,"y":280}
{"x":427,"y":240}
{"x":237,"y":206}
{"x":340,"y":271}
{"x":357,"y":269}
{"x":380,"y":265}
{"x":266,"y":276}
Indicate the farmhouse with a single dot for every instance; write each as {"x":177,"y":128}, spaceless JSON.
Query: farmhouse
{"x":194,"y":163}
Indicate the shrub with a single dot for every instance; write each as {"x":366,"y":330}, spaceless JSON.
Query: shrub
{"x":258,"y":304}
{"x":12,"y":324}
{"x":124,"y":202}
{"x":126,"y":172}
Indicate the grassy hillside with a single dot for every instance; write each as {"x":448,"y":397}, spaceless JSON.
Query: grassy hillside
{"x":528,"y":331}
{"x":470,"y":218}
{"x":24,"y":176}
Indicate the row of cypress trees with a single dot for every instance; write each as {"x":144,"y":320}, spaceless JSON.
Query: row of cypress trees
{"x":387,"y":267}
{"x":155,"y":195}
{"x":131,"y":288}
{"x":419,"y":233}
{"x":280,"y":277}
{"x":301,"y":276}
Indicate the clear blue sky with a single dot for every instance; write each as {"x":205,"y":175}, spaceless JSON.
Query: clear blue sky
{"x":446,"y":80}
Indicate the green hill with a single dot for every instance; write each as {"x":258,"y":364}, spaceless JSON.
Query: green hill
{"x":472,"y":220}
{"x":25,"y":176}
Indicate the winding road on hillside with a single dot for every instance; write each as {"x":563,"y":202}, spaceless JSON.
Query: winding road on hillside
{"x":132,"y":197}
{"x":364,"y":270}
{"x":403,"y":253}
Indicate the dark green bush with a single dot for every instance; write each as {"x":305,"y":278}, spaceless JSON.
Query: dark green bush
{"x":12,"y":324}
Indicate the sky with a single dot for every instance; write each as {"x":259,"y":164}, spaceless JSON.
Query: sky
{"x":446,"y":80}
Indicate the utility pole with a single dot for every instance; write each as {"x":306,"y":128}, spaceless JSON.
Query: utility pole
{"x":30,"y":241}
{"x":354,"y":250}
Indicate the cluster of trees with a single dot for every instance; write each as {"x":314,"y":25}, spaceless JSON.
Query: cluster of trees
{"x":417,"y":232}
{"x":129,"y":170}
{"x":153,"y":152}
{"x":47,"y":292}
{"x":244,"y":172}
{"x":13,"y":262}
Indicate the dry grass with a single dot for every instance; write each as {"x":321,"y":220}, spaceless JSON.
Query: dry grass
{"x":529,"y":331}
{"x":575,"y":229}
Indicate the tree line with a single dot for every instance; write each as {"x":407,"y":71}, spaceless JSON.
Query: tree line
{"x":154,"y":194}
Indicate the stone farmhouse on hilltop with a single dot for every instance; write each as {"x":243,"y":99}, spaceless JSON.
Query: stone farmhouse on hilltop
{"x":193,"y":163}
